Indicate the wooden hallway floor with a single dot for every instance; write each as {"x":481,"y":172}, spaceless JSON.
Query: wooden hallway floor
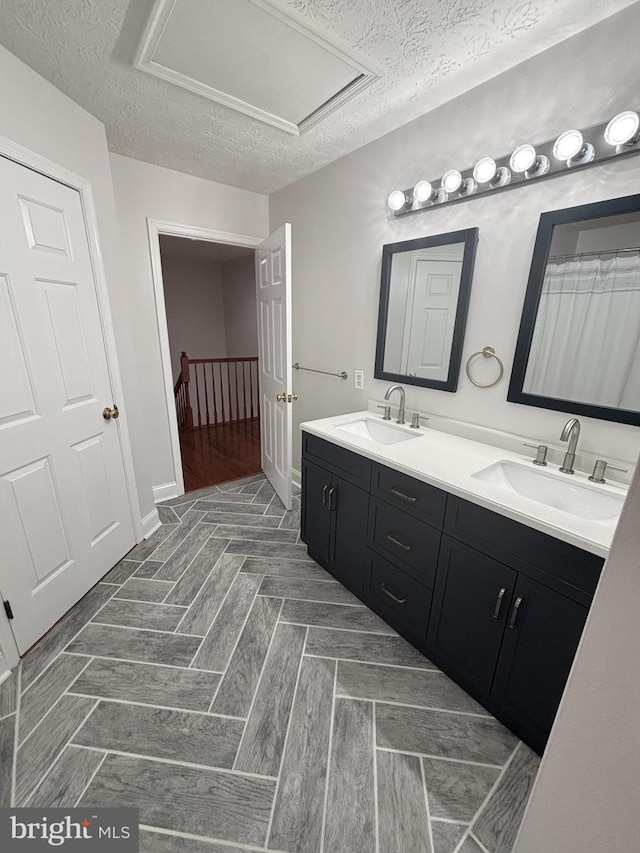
{"x":218,"y":454}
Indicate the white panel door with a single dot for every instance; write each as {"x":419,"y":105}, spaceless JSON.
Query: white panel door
{"x":273,"y":286}
{"x":65,"y":516}
{"x":433,"y":300}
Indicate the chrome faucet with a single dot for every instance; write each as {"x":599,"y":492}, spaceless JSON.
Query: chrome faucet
{"x":401,"y":406}
{"x":570,"y":433}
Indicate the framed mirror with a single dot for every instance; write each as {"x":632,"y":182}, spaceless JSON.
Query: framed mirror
{"x":578,"y":347}
{"x":424,"y":297}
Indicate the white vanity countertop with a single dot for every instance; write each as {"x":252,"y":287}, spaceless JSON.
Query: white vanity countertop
{"x":449,"y":461}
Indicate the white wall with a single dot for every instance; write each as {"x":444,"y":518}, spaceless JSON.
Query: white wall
{"x":194,"y":302}
{"x":340,"y":222}
{"x":144,"y":191}
{"x":240,"y":307}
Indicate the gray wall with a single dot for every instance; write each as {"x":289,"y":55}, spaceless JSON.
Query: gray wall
{"x":340,"y":222}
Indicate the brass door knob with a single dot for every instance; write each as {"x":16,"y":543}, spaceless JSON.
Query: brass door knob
{"x":108,"y":413}
{"x":281,"y":398}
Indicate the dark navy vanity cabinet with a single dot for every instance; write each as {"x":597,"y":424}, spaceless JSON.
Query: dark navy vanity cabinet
{"x":499,"y":606}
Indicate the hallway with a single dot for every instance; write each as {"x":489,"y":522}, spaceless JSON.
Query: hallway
{"x":219,"y":453}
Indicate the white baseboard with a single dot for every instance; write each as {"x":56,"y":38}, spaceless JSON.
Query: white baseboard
{"x":165,"y":491}
{"x":296,"y":478}
{"x":150,"y":523}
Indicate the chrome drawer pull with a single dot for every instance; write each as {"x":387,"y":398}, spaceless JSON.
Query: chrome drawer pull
{"x":496,"y":612}
{"x":391,"y":595}
{"x":404,"y":497}
{"x":399,"y":543}
{"x":514,"y":612}
{"x":324,"y":496}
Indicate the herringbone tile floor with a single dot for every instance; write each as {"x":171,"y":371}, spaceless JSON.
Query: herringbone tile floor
{"x":224,"y":684}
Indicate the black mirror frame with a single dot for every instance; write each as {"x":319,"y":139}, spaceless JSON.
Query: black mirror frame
{"x":548,"y":221}
{"x":468,"y":236}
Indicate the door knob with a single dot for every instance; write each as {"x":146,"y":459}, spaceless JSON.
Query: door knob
{"x":108,"y":413}
{"x":281,"y":398}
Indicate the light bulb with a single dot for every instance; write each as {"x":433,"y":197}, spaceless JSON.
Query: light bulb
{"x":623,"y":129}
{"x":422,"y":191}
{"x":451,"y":181}
{"x":397,"y":200}
{"x":569,"y":144}
{"x":523,"y":158}
{"x":485,"y":170}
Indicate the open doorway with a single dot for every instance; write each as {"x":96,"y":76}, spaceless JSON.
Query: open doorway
{"x":209,"y":296}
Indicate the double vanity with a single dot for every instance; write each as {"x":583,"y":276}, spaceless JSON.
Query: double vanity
{"x":482,"y":560}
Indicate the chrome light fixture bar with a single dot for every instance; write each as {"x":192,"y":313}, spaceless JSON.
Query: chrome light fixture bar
{"x":572,"y":149}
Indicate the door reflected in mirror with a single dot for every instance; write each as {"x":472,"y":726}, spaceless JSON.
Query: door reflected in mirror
{"x":579,"y":344}
{"x":424,"y":295}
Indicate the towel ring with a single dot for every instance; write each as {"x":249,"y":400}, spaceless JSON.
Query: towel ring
{"x":487,"y":352}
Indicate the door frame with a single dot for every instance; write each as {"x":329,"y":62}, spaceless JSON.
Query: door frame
{"x":31,"y":160}
{"x":156,"y":227}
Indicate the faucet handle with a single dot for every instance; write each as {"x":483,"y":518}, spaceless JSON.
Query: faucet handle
{"x":541,"y":455}
{"x":599,"y":470}
{"x":387,"y":412}
{"x":416,"y":417}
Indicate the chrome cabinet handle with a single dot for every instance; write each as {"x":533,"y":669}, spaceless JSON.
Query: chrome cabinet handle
{"x":496,"y":612}
{"x":404,"y":497}
{"x":514,"y":612}
{"x":399,"y":543}
{"x":330,"y":494}
{"x":391,"y":595}
{"x":324,"y":496}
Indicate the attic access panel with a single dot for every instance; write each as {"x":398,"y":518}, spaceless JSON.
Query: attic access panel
{"x":259,"y":57}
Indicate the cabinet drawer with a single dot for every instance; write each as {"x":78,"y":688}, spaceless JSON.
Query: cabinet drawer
{"x":411,"y":495}
{"x":405,"y":540}
{"x":399,"y":597}
{"x":348,"y":464}
{"x":558,"y":564}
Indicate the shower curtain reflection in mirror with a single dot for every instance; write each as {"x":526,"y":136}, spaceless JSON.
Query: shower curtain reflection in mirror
{"x":586,"y":341}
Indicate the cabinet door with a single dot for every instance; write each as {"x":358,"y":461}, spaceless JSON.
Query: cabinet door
{"x":316,"y":518}
{"x":347,"y":555}
{"x":539,"y":645}
{"x":472,"y":598}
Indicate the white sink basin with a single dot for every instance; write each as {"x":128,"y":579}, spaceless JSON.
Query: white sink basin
{"x":378,"y":431}
{"x":559,"y":491}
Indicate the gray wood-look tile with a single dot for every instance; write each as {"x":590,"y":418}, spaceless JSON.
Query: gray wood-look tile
{"x":354,"y":645}
{"x":402,"y":809}
{"x":178,"y":534}
{"x":351,"y":820}
{"x":36,"y":660}
{"x":456,"y":791}
{"x":183,"y":736}
{"x":181,"y":509}
{"x":196,"y":574}
{"x":121,"y":572}
{"x":45,"y":692}
{"x":145,"y":548}
{"x":439,"y":733}
{"x":297,"y":816}
{"x":251,"y":488}
{"x":239,"y":508}
{"x":184,"y":553}
{"x":67,"y":780}
{"x":446,"y":836}
{"x":263,"y":741}
{"x":256,"y":534}
{"x":135,"y":644}
{"x":186,"y":799}
{"x":325,"y":615}
{"x":205,"y":606}
{"x":236,"y":485}
{"x":291,"y":518}
{"x":150,"y":684}
{"x":285,"y":551}
{"x":40,"y":750}
{"x":240,"y":681}
{"x":142,"y":589}
{"x":158,"y":842}
{"x":140,"y":614}
{"x":7,"y":740}
{"x":428,"y":689}
{"x":255,"y":520}
{"x":276,"y":507}
{"x":147,"y":569}
{"x":327,"y":591}
{"x":224,"y":499}
{"x":470,"y":846}
{"x":167,"y":515}
{"x":497,"y":824}
{"x":9,"y":694}
{"x":301,"y":569}
{"x":223,"y":634}
{"x":264,"y":494}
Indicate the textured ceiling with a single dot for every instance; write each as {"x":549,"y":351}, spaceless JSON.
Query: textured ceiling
{"x":432,"y":50}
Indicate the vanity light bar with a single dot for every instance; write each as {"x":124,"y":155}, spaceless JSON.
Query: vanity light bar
{"x":572,"y":149}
